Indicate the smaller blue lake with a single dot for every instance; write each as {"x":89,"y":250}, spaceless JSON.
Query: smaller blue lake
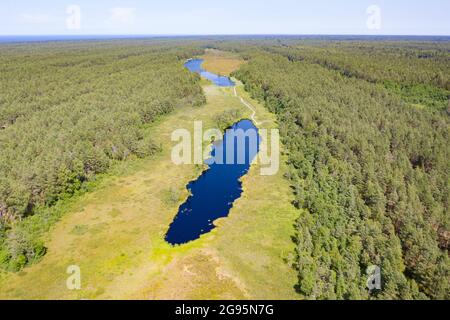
{"x":195,"y":65}
{"x":215,"y":191}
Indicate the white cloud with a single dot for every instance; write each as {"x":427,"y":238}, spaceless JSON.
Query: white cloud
{"x":123,"y":15}
{"x":34,"y":18}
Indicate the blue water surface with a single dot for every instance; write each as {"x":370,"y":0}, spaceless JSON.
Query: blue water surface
{"x":214,"y":192}
{"x":195,"y":65}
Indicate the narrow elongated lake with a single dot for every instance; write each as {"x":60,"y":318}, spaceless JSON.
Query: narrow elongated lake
{"x":195,"y":65}
{"x":214,"y":192}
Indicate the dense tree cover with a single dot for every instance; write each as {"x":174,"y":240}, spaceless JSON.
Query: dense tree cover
{"x":364,"y":124}
{"x":67,"y":112}
{"x":421,"y":76}
{"x":371,"y":173}
{"x":418,"y":71}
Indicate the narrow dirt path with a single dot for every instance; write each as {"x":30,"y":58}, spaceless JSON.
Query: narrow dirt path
{"x":249,"y":106}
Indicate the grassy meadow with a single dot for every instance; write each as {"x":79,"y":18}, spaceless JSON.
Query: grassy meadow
{"x":116,"y":233}
{"x":221,"y":62}
{"x":363,"y":182}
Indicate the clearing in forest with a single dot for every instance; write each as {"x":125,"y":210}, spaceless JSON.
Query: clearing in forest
{"x":115,"y":234}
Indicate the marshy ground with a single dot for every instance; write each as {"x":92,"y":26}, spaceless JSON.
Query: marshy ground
{"x":116,"y":233}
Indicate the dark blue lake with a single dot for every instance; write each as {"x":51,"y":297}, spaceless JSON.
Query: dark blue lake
{"x":214,"y":192}
{"x":195,"y":65}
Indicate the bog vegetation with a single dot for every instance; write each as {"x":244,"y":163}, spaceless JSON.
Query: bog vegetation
{"x":365,"y":124}
{"x":67,"y":113}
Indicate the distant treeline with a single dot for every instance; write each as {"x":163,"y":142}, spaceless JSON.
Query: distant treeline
{"x":364,"y":124}
{"x":370,"y":168}
{"x":67,"y":112}
{"x":420,"y":76}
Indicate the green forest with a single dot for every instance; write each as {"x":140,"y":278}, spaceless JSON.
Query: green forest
{"x":365,"y":126}
{"x":369,"y":167}
{"x":67,"y":113}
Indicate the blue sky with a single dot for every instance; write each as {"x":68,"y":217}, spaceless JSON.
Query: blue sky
{"x":43,"y":17}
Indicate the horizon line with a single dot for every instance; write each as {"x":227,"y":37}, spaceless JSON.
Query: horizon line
{"x":221,"y":34}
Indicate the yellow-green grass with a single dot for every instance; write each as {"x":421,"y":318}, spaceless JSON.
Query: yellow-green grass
{"x":221,"y":62}
{"x":116,"y":233}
